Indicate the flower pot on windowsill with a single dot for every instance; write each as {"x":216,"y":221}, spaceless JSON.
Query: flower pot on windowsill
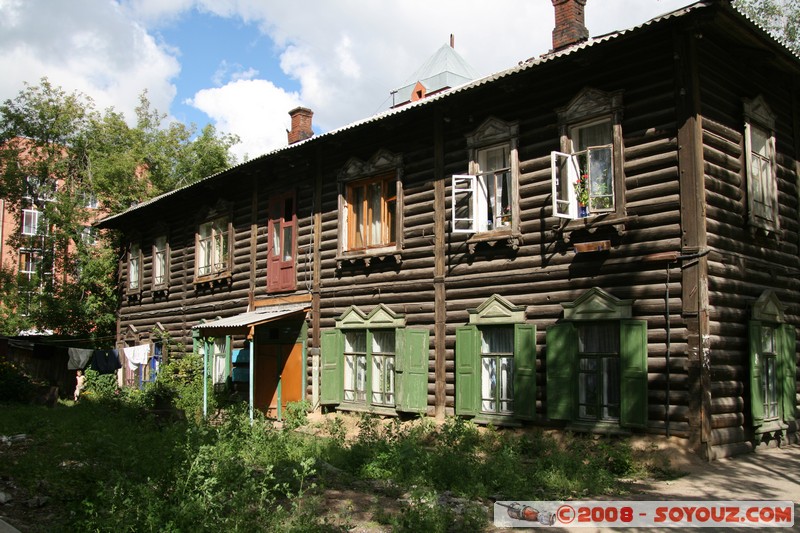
{"x":583,"y":211}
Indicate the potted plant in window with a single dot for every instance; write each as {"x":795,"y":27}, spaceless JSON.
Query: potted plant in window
{"x":582,"y":194}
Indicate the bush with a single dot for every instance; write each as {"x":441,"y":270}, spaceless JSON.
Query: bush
{"x":15,"y":386}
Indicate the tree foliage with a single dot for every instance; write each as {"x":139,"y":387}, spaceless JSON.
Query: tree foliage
{"x":73,"y":165}
{"x":780,"y":17}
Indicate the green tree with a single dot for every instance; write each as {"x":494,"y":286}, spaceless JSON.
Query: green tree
{"x":62,"y":158}
{"x":780,"y":17}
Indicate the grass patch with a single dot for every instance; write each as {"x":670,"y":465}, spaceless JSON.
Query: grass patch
{"x":107,"y":463}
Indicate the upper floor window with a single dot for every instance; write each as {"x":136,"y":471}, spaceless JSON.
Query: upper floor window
{"x":212,"y":257}
{"x":31,"y":220}
{"x":371,"y":205}
{"x":486,"y":198}
{"x":38,"y":190}
{"x":29,"y":264}
{"x":160,"y":262}
{"x":134,"y":268}
{"x":89,"y":235}
{"x":282,"y":232}
{"x":372,"y":210}
{"x":773,"y":365}
{"x":760,"y":166}
{"x":587,"y":172}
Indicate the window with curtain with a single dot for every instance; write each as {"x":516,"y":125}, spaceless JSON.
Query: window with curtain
{"x":497,"y":369}
{"x":598,"y":371}
{"x":371,"y":213}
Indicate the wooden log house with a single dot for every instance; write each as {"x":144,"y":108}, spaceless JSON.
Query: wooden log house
{"x":603,"y":238}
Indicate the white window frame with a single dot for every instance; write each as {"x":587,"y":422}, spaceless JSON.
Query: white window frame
{"x":471,"y":192}
{"x":589,"y":108}
{"x":762,"y":187}
{"x":160,"y":261}
{"x":134,"y":268}
{"x":30,"y":221}
{"x":213,"y":248}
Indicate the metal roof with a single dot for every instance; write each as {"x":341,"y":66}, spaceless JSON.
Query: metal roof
{"x":246,"y":320}
{"x":522,"y":66}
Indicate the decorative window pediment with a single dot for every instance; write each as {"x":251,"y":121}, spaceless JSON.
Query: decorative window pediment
{"x":497,"y":310}
{"x":768,"y":308}
{"x":597,"y":304}
{"x":492,"y":130}
{"x":380,"y":317}
{"x":382,"y":161}
{"x":758,"y":110}
{"x":590,"y":103}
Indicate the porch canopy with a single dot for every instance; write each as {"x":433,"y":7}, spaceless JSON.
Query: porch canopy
{"x":243,"y":324}
{"x":240,"y":324}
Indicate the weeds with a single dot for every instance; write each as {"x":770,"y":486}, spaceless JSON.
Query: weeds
{"x":107,"y":466}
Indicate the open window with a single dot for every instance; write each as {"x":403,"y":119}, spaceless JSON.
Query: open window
{"x":496,"y":363}
{"x":372,"y":362}
{"x":33,"y":222}
{"x":597,"y":364}
{"x":586,"y":174}
{"x":773,"y":366}
{"x":760,"y":165}
{"x":486,"y":199}
{"x":282,"y":254}
{"x":370,"y":204}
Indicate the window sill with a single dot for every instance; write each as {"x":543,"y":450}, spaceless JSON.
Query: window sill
{"x":387,"y":254}
{"x":161,"y":288}
{"x":506,"y":236}
{"x":216,"y":279}
{"x":497,"y":420}
{"x":593,"y":223}
{"x":363,"y":408}
{"x":603,"y":428}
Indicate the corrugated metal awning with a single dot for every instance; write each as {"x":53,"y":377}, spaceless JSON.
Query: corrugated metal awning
{"x":240,"y":324}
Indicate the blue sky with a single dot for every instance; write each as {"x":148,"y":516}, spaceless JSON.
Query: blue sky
{"x":243,"y":64}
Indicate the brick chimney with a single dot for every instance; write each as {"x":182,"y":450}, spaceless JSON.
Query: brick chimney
{"x":570,"y":28}
{"x":301,"y":124}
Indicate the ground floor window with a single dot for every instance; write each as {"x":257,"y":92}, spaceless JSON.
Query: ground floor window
{"x":773,"y":365}
{"x":598,"y":371}
{"x":497,"y":369}
{"x":496,"y":363}
{"x":369,"y":366}
{"x":596,"y":364}
{"x":371,"y":361}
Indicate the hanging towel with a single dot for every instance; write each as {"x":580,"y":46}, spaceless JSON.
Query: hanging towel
{"x":78,"y":358}
{"x":137,"y":355}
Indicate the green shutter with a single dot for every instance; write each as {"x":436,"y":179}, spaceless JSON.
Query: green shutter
{"x":468,"y":377}
{"x":332,"y":367}
{"x":788,"y":371}
{"x":525,"y":371}
{"x":756,"y":385}
{"x":633,"y":368}
{"x":411,"y":370}
{"x":562,"y":360}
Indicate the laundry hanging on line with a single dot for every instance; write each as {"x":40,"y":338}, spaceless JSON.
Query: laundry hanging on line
{"x":136,"y":355}
{"x":79,"y":358}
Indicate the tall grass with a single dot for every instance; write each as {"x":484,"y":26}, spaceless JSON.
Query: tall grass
{"x":108,"y":463}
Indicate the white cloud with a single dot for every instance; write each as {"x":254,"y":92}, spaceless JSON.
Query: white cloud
{"x":346,"y":55}
{"x":88,"y":46}
{"x":255,"y":110}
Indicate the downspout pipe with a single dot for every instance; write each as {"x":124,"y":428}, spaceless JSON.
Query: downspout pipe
{"x":671,"y":258}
